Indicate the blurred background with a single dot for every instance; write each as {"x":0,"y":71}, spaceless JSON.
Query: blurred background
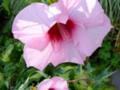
{"x":98,"y":73}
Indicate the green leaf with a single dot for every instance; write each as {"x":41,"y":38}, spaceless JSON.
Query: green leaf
{"x":24,"y":86}
{"x":5,"y":5}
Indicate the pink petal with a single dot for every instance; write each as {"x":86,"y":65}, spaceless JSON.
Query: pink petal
{"x":89,"y":39}
{"x":72,"y":53}
{"x":36,"y":58}
{"x":45,"y":85}
{"x":58,"y":55}
{"x":32,"y":24}
{"x":93,"y":26}
{"x":56,"y":83}
{"x":59,"y":83}
{"x":38,"y":42}
{"x":66,"y":52}
{"x":89,"y":13}
{"x":63,"y":17}
{"x":69,"y":4}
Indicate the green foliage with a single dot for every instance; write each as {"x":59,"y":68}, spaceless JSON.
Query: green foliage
{"x":112,"y":8}
{"x":94,"y":75}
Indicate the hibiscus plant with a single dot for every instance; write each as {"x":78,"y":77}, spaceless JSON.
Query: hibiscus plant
{"x":59,"y":44}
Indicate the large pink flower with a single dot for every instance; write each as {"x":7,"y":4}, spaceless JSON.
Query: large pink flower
{"x":66,"y":31}
{"x":55,"y":83}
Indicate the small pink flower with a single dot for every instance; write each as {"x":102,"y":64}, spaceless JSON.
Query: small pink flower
{"x":56,"y":83}
{"x":66,"y":31}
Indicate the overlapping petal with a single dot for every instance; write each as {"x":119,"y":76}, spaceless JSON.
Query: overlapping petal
{"x":93,"y":26}
{"x":32,"y":23}
{"x":89,"y":39}
{"x":88,"y":12}
{"x":37,"y":58}
{"x":67,"y":52}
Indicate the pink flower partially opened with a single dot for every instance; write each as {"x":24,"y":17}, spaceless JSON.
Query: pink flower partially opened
{"x":55,"y":83}
{"x":66,"y":31}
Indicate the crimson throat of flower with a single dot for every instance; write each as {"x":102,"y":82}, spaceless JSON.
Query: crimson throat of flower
{"x":59,"y":32}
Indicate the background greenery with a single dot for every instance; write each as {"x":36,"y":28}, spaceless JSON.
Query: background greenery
{"x":94,"y":75}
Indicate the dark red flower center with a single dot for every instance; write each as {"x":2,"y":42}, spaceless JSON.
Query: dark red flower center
{"x":59,"y":31}
{"x":51,"y":89}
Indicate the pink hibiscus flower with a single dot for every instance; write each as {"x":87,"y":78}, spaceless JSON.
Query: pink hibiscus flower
{"x":66,"y":31}
{"x":55,"y":83}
